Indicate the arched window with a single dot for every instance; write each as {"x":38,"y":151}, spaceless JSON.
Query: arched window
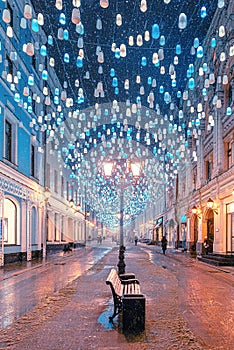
{"x":34,"y":225}
{"x":10,"y":222}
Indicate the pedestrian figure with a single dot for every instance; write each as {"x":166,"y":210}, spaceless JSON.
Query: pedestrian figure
{"x":206,"y":245}
{"x":164,"y":244}
{"x":136,"y":240}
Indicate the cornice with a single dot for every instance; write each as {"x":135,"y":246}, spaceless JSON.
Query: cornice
{"x":18,"y":184}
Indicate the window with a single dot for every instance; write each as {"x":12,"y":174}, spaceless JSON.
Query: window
{"x":62,"y":186}
{"x":34,"y":225}
{"x":194,"y":178}
{"x":56,"y":227}
{"x":208,"y":167}
{"x":33,"y":162}
{"x":230,"y":100}
{"x":10,"y":222}
{"x":208,"y":170}
{"x":67,"y":191}
{"x":230,"y":154}
{"x":55,"y":181}
{"x":8,"y":141}
{"x":47,"y":179}
{"x":62,"y":229}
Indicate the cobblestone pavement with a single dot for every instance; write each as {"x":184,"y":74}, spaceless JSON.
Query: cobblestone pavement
{"x":76,"y":316}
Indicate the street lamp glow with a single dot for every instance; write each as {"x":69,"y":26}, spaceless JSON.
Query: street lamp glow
{"x":107,"y":166}
{"x":126,"y":170}
{"x":136,"y":169}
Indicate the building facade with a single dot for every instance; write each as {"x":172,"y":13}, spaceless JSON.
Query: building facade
{"x":35,"y":189}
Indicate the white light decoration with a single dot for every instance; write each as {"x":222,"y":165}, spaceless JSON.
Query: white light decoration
{"x":6,"y":16}
{"x":9,"y":32}
{"x":143,"y":6}
{"x":59,"y":4}
{"x":118,"y":20}
{"x":27,"y":11}
{"x":40,"y":19}
{"x":182,"y":22}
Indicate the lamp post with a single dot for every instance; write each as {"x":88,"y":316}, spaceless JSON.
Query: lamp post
{"x":108,"y":170}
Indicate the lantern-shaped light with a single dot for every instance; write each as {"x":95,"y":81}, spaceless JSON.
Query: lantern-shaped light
{"x":27,"y":11}
{"x":75,"y":16}
{"x":59,"y":4}
{"x":118,"y":20}
{"x":182,"y":23}
{"x":29,"y":49}
{"x":104,"y":3}
{"x":6,"y":16}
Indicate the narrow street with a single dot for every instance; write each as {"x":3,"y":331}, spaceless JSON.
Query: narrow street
{"x":65,"y":304}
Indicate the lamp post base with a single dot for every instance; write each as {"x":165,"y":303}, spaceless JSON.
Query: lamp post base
{"x":121,"y":264}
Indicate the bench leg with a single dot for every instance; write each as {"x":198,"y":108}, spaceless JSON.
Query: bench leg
{"x":117,"y":309}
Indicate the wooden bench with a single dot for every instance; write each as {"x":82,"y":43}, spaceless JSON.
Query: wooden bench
{"x":128,"y":300}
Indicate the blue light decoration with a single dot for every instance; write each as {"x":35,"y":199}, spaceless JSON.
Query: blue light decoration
{"x":115,"y":82}
{"x":112,"y":72}
{"x":196,"y":43}
{"x":200,"y":52}
{"x":144,"y":61}
{"x":17,"y":97}
{"x":50,"y":40}
{"x":191,"y":83}
{"x":155,"y":33}
{"x":79,"y":62}
{"x":34,"y":25}
{"x":213,"y":42}
{"x":44,"y":74}
{"x":117,"y":53}
{"x":62,"y":18}
{"x":66,"y":34}
{"x":203,"y":13}
{"x":66,"y":58}
{"x":178,"y":49}
{"x":43,"y":50}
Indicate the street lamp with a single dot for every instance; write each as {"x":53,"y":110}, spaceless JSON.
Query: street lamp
{"x":135,"y":169}
{"x":211,"y":205}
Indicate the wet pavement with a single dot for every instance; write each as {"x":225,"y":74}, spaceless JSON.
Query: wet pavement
{"x":24,"y":285}
{"x":189,"y":305}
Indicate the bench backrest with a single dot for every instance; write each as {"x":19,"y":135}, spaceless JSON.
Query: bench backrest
{"x":114,"y":281}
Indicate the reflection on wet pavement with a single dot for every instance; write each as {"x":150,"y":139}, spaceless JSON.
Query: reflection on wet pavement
{"x":104,"y":318}
{"x":19,"y":292}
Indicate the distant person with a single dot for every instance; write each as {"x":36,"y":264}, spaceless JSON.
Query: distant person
{"x":206,"y":245}
{"x":164,"y":244}
{"x":136,"y":240}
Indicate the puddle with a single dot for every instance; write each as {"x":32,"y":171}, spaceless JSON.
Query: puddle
{"x":104,"y":318}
